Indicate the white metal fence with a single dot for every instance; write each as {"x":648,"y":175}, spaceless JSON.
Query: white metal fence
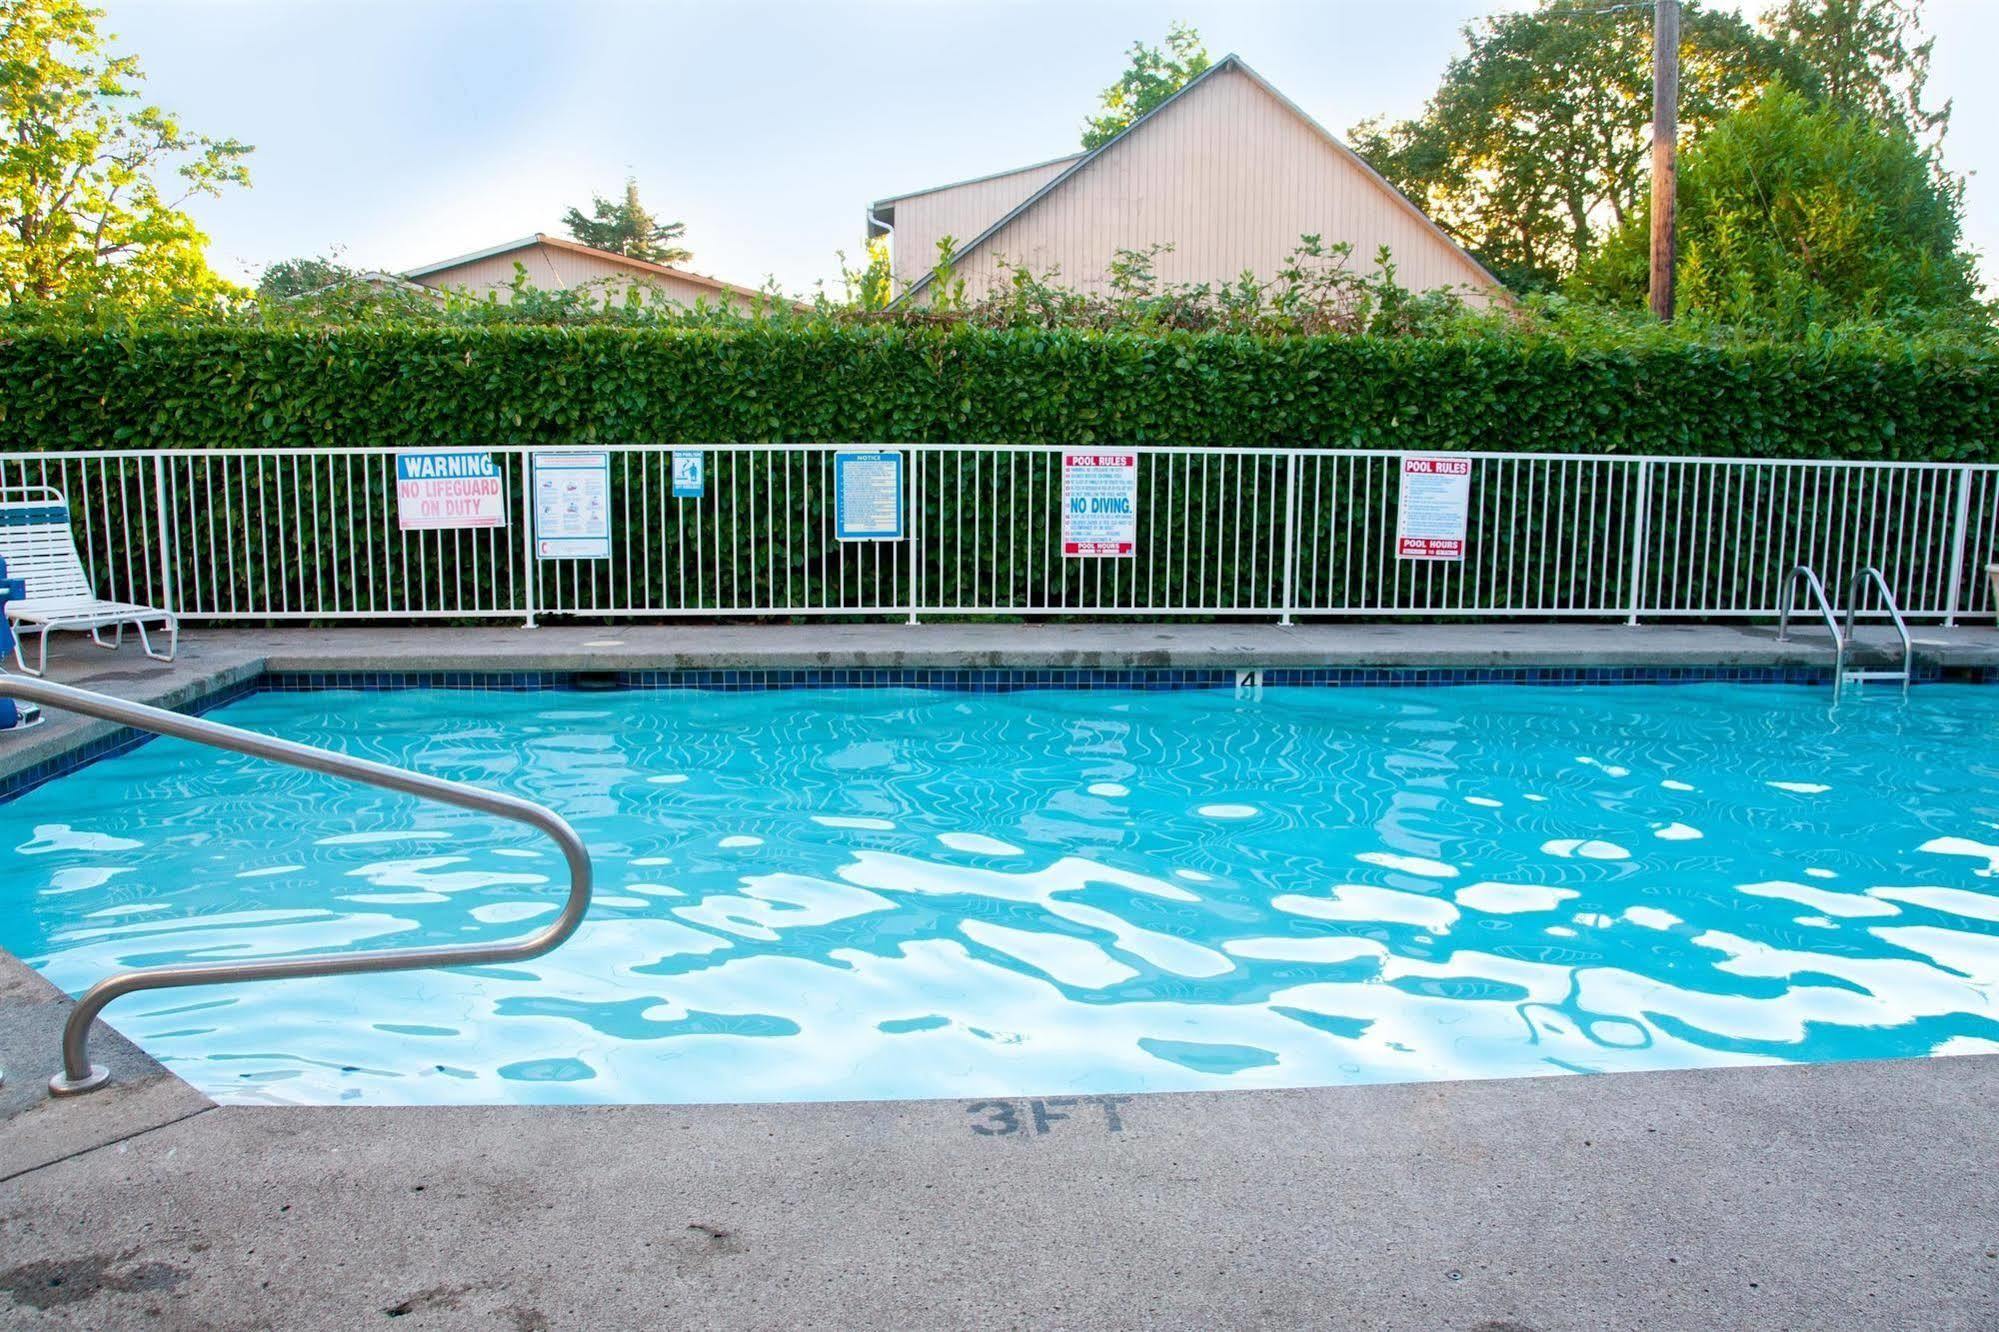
{"x":311,"y":534}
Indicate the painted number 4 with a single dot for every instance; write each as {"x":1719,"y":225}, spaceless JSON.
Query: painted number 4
{"x":998,"y":1119}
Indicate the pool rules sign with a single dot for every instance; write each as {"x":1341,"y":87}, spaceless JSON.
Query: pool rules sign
{"x":1099,"y":504}
{"x":1430,"y":516}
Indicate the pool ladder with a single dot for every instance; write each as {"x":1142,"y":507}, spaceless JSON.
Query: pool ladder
{"x":80,"y":1075}
{"x":1842,"y":636}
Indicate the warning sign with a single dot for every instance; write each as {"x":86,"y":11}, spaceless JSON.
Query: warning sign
{"x":1431,"y":515}
{"x":449,"y":488}
{"x":1099,"y":504}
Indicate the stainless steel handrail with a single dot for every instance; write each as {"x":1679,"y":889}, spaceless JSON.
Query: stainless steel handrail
{"x":1860,"y":578}
{"x":80,"y":1075}
{"x":1817,"y":589}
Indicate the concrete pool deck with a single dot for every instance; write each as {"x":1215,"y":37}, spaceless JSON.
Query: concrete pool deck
{"x":1847,"y":1195}
{"x":1821,"y":1196}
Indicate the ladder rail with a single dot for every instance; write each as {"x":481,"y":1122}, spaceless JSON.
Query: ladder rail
{"x":1854,"y":587}
{"x":80,"y":1075}
{"x":1812,"y":584}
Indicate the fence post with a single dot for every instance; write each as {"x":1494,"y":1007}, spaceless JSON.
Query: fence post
{"x":915,"y":532}
{"x":531,"y":574}
{"x":165,"y":531}
{"x":1290,"y":536}
{"x":1640,"y":529}
{"x":1960,"y":527}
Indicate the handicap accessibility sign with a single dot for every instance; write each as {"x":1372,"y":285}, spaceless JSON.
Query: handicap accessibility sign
{"x":690,"y":473}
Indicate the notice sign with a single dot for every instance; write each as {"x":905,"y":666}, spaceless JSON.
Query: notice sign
{"x":572,"y":505}
{"x":1099,"y":504}
{"x":1430,"y":517}
{"x":454,"y":488}
{"x":690,"y":473}
{"x":867,"y":496}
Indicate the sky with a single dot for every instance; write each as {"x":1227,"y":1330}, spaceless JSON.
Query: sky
{"x":410,"y":131}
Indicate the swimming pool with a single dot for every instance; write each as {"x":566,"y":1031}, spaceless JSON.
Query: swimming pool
{"x":860,"y":893}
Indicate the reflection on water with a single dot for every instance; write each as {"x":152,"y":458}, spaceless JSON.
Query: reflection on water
{"x":850,"y":894}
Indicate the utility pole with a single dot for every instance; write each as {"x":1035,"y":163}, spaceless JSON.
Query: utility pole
{"x":1665,"y":148}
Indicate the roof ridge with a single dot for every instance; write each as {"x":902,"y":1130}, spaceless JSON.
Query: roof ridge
{"x":1229,"y":61}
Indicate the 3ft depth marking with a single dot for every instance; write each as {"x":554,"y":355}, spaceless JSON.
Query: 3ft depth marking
{"x":999,"y":1119}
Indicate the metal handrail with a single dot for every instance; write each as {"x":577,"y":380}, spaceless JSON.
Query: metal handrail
{"x":1853,"y":587}
{"x":80,"y":1075}
{"x":1817,"y":589}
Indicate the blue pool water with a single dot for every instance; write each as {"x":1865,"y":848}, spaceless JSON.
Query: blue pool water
{"x":830,"y":894}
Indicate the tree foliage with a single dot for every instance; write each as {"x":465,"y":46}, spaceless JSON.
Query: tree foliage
{"x":1793,"y":215}
{"x":289,"y":279}
{"x":1536,"y":145}
{"x":92,"y":179}
{"x":1152,"y":77}
{"x":626,"y":227}
{"x":1870,"y":58}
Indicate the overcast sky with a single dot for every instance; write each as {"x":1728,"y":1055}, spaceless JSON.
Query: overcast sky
{"x":413,"y":130}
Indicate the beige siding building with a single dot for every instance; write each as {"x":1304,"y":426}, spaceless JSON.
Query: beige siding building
{"x":556,"y":264}
{"x":1227,"y":171}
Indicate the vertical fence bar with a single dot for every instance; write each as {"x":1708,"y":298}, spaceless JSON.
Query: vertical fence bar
{"x":915,"y":533}
{"x":1639,"y":530}
{"x":1291,"y":468}
{"x":531,"y":573}
{"x":165,"y":531}
{"x":1960,"y":528}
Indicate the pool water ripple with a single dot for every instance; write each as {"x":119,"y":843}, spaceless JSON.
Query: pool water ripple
{"x":857,"y":894}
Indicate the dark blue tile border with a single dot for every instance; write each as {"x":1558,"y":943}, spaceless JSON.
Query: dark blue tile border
{"x":1005,"y":680}
{"x":118,"y":742}
{"x":975,"y":680}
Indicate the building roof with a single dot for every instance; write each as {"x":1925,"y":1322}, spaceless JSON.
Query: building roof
{"x":1227,"y":62}
{"x":609,"y":256}
{"x":884,"y":208}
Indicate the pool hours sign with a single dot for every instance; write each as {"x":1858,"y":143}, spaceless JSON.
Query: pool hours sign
{"x":447,"y":489}
{"x":1099,"y":504}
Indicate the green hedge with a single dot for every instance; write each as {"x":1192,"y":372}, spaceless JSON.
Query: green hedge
{"x":416,"y":386}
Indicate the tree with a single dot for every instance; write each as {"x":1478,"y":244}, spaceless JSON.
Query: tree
{"x":1869,"y":56}
{"x":1536,"y":145}
{"x":1792,"y":214}
{"x":289,"y":278}
{"x":1151,"y":78}
{"x":626,"y":228}
{"x":84,"y":217}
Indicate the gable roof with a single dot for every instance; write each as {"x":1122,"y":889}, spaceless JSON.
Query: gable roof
{"x":1227,"y":62}
{"x":574,"y":247}
{"x":888,"y":203}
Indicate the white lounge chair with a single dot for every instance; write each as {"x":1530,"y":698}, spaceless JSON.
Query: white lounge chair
{"x":36,"y":543}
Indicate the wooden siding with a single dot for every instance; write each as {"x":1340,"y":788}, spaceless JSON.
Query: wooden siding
{"x":958,"y":211}
{"x":553,"y":268}
{"x":1231,"y":177}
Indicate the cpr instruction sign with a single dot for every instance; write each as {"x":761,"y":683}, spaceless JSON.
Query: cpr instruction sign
{"x":867,"y":496}
{"x":572,"y":505}
{"x":1100,"y":504}
{"x":449,"y":488}
{"x":1431,"y":514}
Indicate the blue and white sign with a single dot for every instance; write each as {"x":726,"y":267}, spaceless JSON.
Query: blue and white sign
{"x":447,"y":488}
{"x":572,"y":505}
{"x":867,"y":496}
{"x":690,"y":473}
